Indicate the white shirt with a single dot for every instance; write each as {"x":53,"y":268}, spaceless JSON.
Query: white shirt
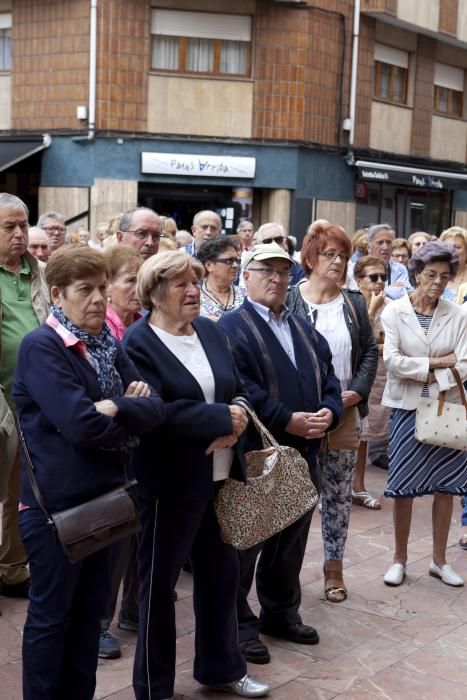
{"x":189,"y":350}
{"x":279,"y":326}
{"x":330,"y":322}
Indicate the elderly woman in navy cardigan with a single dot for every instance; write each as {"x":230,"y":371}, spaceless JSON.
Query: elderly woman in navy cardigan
{"x":179,"y":467}
{"x":80,"y":404}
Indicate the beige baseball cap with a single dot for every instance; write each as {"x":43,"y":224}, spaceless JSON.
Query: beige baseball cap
{"x":266,"y":251}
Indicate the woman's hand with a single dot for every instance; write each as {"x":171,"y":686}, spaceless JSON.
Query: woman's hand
{"x":239,"y":419}
{"x":350,"y":398}
{"x":137,"y":390}
{"x":107,"y":408}
{"x":221,"y":443}
{"x":443,"y":362}
{"x":375,"y":303}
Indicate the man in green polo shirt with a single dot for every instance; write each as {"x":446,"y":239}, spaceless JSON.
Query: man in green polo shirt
{"x":23,"y":306}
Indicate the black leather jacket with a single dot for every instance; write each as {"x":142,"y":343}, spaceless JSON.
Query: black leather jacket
{"x":364,"y":348}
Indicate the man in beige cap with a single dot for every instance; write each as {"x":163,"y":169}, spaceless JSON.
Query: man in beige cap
{"x":275,"y":353}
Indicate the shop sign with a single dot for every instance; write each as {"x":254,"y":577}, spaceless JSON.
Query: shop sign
{"x":402,"y":177}
{"x":197,"y":165}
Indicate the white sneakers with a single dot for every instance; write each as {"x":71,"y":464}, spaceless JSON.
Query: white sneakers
{"x":395,"y":575}
{"x":446,"y":574}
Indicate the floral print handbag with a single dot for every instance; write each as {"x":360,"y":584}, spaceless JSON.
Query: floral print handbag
{"x":278,"y":491}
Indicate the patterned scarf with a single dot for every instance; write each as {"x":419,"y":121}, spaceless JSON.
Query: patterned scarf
{"x":101,"y":350}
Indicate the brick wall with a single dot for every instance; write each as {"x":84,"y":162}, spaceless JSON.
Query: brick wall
{"x":423,"y":96}
{"x":365,"y":81}
{"x":297,"y":72}
{"x":50,"y":63}
{"x":387,"y":6}
{"x":448,"y":10}
{"x":123,"y":61}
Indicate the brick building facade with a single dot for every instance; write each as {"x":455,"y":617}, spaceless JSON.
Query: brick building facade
{"x":210,"y":81}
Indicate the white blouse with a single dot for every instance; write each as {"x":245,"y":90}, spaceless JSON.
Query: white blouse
{"x":189,"y":351}
{"x":329,"y":320}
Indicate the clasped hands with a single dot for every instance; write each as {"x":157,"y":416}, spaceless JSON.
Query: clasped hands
{"x":310,"y":425}
{"x":134,"y":390}
{"x":239,"y":423}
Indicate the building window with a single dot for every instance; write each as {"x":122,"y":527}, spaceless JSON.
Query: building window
{"x":449,"y":90}
{"x":201,"y":42}
{"x":391,"y":74}
{"x":5,"y":41}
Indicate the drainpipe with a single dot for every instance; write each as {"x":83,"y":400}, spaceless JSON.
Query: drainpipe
{"x":92,"y":74}
{"x":353,"y":76}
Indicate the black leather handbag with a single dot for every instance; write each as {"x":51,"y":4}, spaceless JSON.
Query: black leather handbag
{"x":93,"y":525}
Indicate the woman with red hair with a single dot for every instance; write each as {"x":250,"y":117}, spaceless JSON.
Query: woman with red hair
{"x":342,"y":318}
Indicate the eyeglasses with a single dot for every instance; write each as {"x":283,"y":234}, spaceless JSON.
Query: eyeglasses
{"x":269,"y":273}
{"x":377,"y":276}
{"x":431,"y":276}
{"x":331,"y":255}
{"x":51,"y":229}
{"x":142,"y":234}
{"x":228,"y":261}
{"x":277,"y":239}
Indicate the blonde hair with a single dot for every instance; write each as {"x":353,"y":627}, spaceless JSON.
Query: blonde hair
{"x":455,"y":232}
{"x":119,"y":256}
{"x":156,"y":272}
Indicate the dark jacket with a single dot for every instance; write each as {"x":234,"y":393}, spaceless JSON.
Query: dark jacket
{"x":171,"y":461}
{"x":276,"y":388}
{"x":364,"y":348}
{"x":72,"y":446}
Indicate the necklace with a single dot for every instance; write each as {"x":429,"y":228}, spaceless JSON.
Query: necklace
{"x":223,"y":305}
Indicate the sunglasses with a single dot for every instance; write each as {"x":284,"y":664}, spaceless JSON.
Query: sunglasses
{"x":276,"y":239}
{"x":376,"y":276}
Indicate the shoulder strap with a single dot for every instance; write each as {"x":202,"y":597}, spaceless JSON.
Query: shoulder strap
{"x":351,"y":308}
{"x":30,"y":469}
{"x":273,"y":387}
{"x":311,"y":351}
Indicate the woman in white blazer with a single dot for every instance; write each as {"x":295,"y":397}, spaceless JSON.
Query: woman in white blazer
{"x":425,"y":336}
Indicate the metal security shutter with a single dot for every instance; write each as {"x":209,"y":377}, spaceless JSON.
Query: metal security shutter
{"x":201,"y":25}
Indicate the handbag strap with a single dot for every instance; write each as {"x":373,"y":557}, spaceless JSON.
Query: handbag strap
{"x":442,"y":394}
{"x":30,"y":469}
{"x":266,"y":437}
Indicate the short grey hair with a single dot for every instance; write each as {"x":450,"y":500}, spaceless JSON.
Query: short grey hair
{"x":127,"y":217}
{"x":264,"y":229}
{"x":11,"y":201}
{"x":373,"y":230}
{"x":199,"y":214}
{"x":433,"y":251}
{"x":50,"y":215}
{"x":156,"y":272}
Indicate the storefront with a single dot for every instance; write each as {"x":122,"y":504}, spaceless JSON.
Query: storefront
{"x":408,"y":198}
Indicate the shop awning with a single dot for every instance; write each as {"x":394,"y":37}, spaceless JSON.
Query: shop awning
{"x":13,"y":150}
{"x":376,"y":171}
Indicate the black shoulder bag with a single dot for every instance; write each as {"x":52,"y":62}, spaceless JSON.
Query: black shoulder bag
{"x":91,"y":526}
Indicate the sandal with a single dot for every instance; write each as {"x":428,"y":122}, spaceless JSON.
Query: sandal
{"x":363,"y":498}
{"x":334,"y":587}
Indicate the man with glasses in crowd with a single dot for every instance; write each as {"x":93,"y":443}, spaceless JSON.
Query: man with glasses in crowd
{"x":53,"y":224}
{"x":273,"y":351}
{"x":206,"y":225}
{"x":141,"y":229}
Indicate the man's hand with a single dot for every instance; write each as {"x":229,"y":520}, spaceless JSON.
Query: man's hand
{"x":309,"y":425}
{"x":137,"y":389}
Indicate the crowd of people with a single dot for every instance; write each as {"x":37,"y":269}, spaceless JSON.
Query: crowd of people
{"x":130,"y":351}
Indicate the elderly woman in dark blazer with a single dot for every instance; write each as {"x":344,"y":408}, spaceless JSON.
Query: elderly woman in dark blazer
{"x":179,"y":467}
{"x":81,"y":402}
{"x":425,"y":337}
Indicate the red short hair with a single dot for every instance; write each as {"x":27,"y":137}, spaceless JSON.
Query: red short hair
{"x":317,"y":239}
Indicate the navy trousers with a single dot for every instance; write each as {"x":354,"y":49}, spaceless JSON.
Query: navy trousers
{"x":277,"y":579}
{"x":172,"y":532}
{"x":66,"y":603}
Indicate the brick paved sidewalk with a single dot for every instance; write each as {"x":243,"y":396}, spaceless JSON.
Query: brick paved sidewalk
{"x":391,"y":643}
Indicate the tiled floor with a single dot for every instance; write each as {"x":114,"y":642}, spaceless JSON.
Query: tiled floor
{"x":405,"y":643}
